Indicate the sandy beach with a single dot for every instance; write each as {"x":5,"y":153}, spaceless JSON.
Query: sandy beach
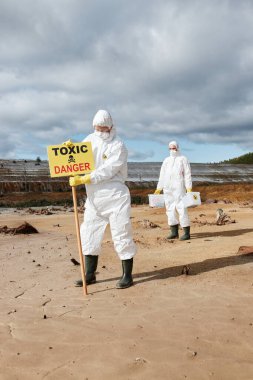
{"x":189,"y":314}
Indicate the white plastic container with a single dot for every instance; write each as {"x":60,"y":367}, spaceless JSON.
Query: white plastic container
{"x":191,"y":199}
{"x":156,"y":200}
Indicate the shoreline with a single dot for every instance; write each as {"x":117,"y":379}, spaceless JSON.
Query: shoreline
{"x":210,"y":193}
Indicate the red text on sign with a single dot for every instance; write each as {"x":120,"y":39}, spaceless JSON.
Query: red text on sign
{"x":72,"y":168}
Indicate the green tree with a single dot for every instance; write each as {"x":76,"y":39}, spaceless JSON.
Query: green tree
{"x":38,"y":161}
{"x":245,"y":159}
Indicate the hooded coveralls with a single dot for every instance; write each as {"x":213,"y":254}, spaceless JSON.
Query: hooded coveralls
{"x":175,"y":178}
{"x":108,"y":198}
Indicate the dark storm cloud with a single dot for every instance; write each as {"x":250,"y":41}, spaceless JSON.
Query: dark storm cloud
{"x":166,"y":67}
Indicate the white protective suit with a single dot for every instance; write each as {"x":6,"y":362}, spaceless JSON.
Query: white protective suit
{"x":175,"y":178}
{"x":108,"y":198}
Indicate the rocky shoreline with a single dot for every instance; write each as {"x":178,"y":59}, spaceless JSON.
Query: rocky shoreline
{"x":210,"y":193}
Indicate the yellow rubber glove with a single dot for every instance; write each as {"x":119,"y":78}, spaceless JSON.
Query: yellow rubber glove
{"x":189,"y":190}
{"x":79,"y":180}
{"x":68,"y":143}
{"x":158,"y":191}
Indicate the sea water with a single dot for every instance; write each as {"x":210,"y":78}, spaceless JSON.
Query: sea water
{"x":31,"y":170}
{"x":213,"y":173}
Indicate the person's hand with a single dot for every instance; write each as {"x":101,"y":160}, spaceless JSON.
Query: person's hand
{"x":79,"y":180}
{"x":68,"y":143}
{"x":158,"y":191}
{"x":189,"y":190}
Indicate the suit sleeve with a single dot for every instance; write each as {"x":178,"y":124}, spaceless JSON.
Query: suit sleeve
{"x":187,"y":174}
{"x":160,"y":184}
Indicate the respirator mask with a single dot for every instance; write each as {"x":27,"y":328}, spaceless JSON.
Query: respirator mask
{"x":173,"y":153}
{"x":103,"y":135}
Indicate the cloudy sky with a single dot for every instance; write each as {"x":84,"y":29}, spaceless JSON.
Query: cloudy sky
{"x":165,"y":70}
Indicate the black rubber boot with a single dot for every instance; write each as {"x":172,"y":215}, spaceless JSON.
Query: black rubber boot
{"x":91,"y":263}
{"x":126,"y":279}
{"x":186,"y":235}
{"x":173,"y":232}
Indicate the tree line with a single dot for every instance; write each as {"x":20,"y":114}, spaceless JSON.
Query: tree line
{"x":244,"y":159}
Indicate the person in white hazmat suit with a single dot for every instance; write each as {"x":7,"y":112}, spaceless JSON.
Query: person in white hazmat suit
{"x":108,"y":200}
{"x":175,"y":180}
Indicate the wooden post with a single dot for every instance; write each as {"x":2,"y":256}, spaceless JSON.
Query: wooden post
{"x":79,"y":240}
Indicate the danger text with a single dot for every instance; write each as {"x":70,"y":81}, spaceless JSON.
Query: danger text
{"x":71,"y":168}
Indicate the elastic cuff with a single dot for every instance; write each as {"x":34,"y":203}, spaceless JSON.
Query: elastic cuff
{"x":127,"y":256}
{"x":92,"y":179}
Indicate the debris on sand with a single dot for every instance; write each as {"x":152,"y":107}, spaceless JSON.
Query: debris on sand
{"x":140,"y":361}
{"x":147,"y":224}
{"x":202,"y":222}
{"x":245,"y":250}
{"x":24,"y":228}
{"x":222,"y":218}
{"x":42,"y":211}
{"x":142,"y":242}
{"x":162,"y":240}
{"x":186,"y":270}
{"x":210,"y":201}
{"x":74,"y":261}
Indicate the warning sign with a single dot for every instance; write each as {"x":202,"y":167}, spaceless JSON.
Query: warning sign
{"x":70,"y":160}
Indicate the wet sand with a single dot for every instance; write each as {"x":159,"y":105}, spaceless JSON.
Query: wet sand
{"x":169,"y":325}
